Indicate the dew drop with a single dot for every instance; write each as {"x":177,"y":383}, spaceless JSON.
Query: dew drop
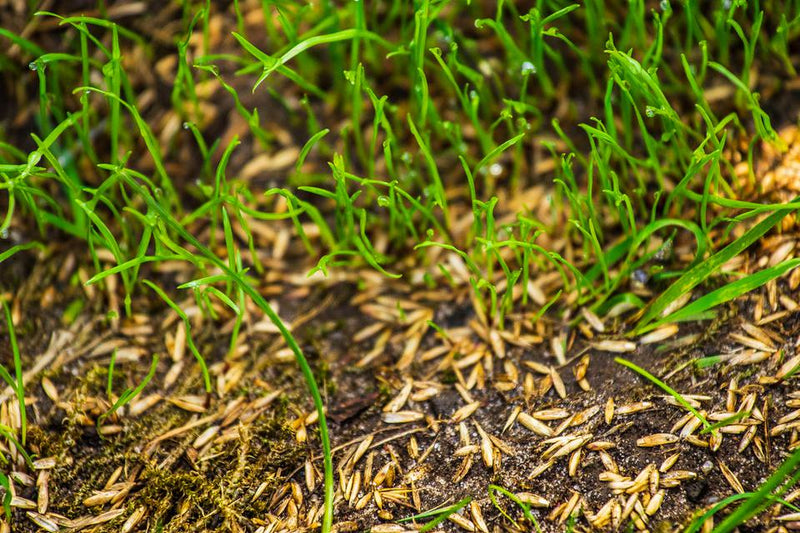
{"x":640,"y":276}
{"x":383,"y":201}
{"x":186,"y":125}
{"x":664,"y":5}
{"x":33,"y":66}
{"x":528,"y":68}
{"x":4,"y":233}
{"x":495,"y":169}
{"x":650,"y":112}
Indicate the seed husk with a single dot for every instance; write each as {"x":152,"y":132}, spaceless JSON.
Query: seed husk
{"x":657,"y":439}
{"x":465,"y":412}
{"x":133,"y":520}
{"x":397,"y":403}
{"x":631,"y":408}
{"x":43,"y":522}
{"x":615,"y":346}
{"x":574,"y":463}
{"x":730,"y":477}
{"x":552,"y":414}
{"x":540,"y":469}
{"x":608,"y":412}
{"x":461,"y":522}
{"x":534,"y":500}
{"x":558,"y":383}
{"x":655,"y":503}
{"x":668,"y":463}
{"x":477,"y":517}
{"x":402,"y":417}
{"x":534,"y":425}
{"x":659,"y":335}
{"x":43,"y":495}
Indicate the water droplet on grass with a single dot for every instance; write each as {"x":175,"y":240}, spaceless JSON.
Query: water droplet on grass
{"x":640,"y":276}
{"x":33,"y":66}
{"x":495,"y":169}
{"x":528,"y":68}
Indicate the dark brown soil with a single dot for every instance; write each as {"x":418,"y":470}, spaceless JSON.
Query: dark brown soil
{"x":213,"y":487}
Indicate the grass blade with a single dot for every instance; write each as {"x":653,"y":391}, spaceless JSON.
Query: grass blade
{"x":669,"y":390}
{"x":705,"y":269}
{"x":727,"y":293}
{"x":20,"y":385}
{"x":780,"y":481}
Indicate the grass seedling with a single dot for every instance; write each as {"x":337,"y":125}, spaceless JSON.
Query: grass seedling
{"x":7,"y":496}
{"x":184,"y":87}
{"x":724,"y":422}
{"x":439,"y":514}
{"x":433,"y":169}
{"x":666,"y":388}
{"x":271,"y":64}
{"x":702,"y":307}
{"x":19,"y":248}
{"x":128,"y":394}
{"x":698,"y":522}
{"x":17,"y":383}
{"x":702,"y":271}
{"x":525,"y":507}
